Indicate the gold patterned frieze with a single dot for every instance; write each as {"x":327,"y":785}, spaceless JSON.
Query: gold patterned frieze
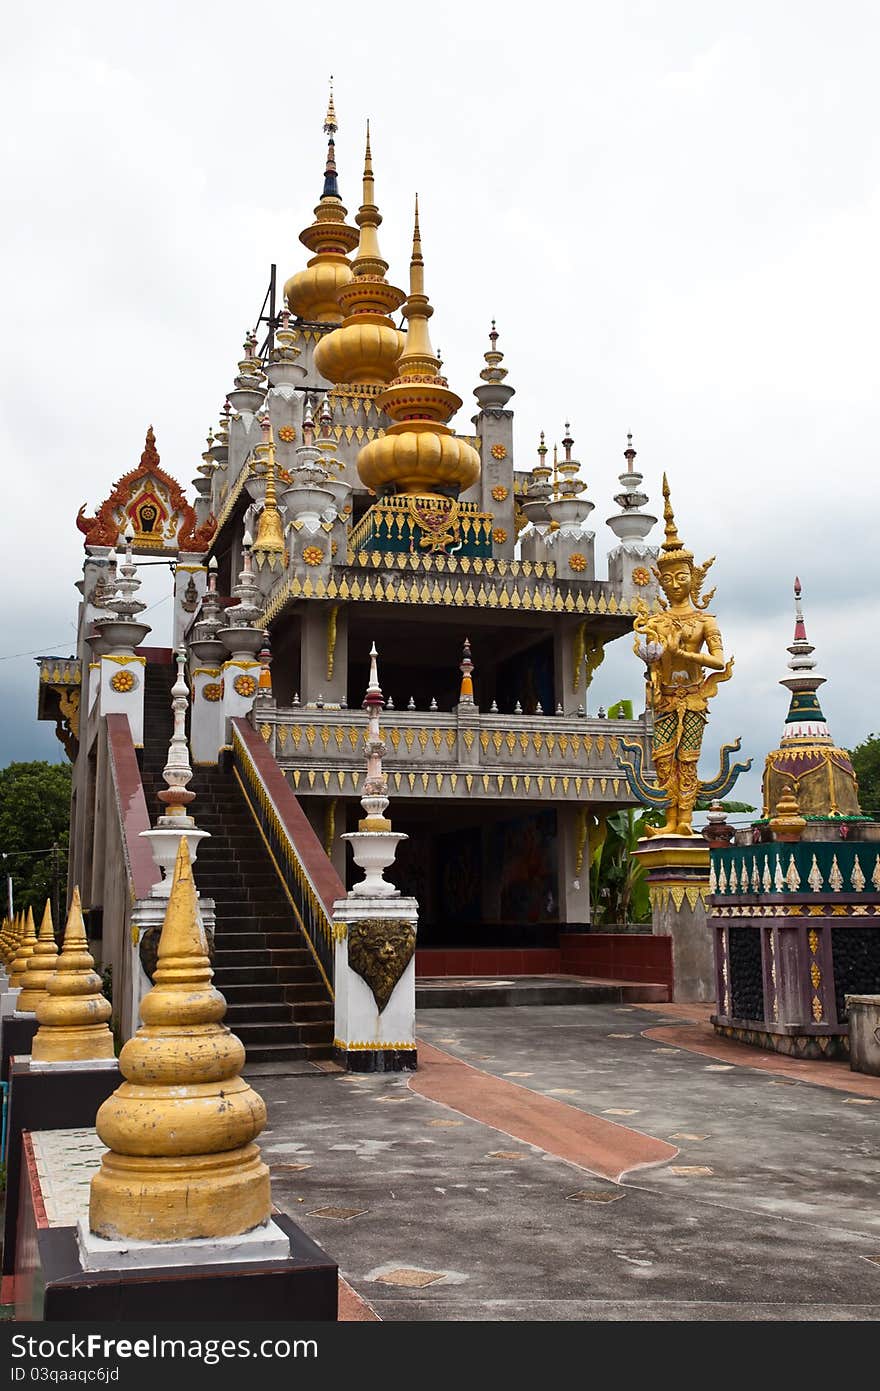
{"x":125,"y":661}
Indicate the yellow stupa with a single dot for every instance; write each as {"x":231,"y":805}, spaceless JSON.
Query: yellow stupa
{"x":365,"y":350}
{"x":180,"y":1129}
{"x":26,"y":944}
{"x":311,"y":293}
{"x":41,"y":965}
{"x":419,"y":454}
{"x":73,"y":1016}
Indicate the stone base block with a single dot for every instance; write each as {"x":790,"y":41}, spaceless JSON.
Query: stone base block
{"x":864,"y":1033}
{"x":265,"y":1243}
{"x":788,"y":1041}
{"x":376,"y":1059}
{"x":291,"y":1280}
{"x":16,"y":1036}
{"x":47,"y":1100}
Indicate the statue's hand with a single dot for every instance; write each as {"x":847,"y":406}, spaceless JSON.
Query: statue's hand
{"x":650,"y":652}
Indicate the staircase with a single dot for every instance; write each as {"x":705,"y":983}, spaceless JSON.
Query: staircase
{"x":278,"y":1004}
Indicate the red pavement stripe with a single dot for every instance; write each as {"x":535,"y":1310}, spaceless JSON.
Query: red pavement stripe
{"x":701,"y":1038}
{"x":353,"y":1308}
{"x":600,"y":1146}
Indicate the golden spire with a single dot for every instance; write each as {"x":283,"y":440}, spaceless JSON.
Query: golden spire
{"x":73,"y":1014}
{"x":330,"y":126}
{"x":41,"y":965}
{"x":11,"y":940}
{"x":419,"y":454}
{"x":673,"y":549}
{"x":180,"y":1129}
{"x":311,"y":293}
{"x":7,"y":940}
{"x":26,"y":944}
{"x":365,"y":349}
{"x":269,"y":541}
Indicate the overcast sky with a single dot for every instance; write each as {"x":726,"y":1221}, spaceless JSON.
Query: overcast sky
{"x":672,"y":210}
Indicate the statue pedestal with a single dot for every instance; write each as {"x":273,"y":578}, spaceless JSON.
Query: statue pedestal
{"x":375,"y":982}
{"x":677,"y":874}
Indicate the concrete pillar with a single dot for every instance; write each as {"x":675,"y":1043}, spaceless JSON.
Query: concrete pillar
{"x":374,"y":1030}
{"x":568,"y":658}
{"x":495,"y":428}
{"x":677,"y":871}
{"x":573,"y":865}
{"x":122,"y":691}
{"x":190,"y":584}
{"x":324,"y":653}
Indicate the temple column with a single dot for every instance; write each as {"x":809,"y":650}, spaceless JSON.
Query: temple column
{"x":677,"y":872}
{"x":569,"y":675}
{"x":324,"y":654}
{"x":572,"y":866}
{"x":190,"y":584}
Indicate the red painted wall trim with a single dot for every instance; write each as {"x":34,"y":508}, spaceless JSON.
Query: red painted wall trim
{"x":632,"y":956}
{"x":326,"y":881}
{"x":132,"y":804}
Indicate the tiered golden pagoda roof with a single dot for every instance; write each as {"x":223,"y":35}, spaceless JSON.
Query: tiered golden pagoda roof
{"x":419,"y":454}
{"x":311,"y":293}
{"x":365,"y":350}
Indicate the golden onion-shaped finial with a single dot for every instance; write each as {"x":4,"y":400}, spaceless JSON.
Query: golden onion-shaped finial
{"x":311,"y":293}
{"x":26,"y":944}
{"x":41,"y":965}
{"x":73,"y":1015}
{"x":180,"y":1129}
{"x":365,"y":349}
{"x":419,"y":454}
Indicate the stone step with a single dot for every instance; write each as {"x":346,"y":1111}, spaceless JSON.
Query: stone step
{"x":319,"y":1033}
{"x":287,"y":1052}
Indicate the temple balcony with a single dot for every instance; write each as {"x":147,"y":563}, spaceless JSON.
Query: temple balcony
{"x":462,"y":753}
{"x":453,"y":582}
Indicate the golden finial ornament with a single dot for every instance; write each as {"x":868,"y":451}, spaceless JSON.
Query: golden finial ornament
{"x":73,"y":1015}
{"x":419,"y":454}
{"x":26,"y":943}
{"x":681,"y":646}
{"x":41,"y":965}
{"x":365,"y":349}
{"x":181,"y":1162}
{"x":787,"y":824}
{"x":269,"y":541}
{"x":311,"y":293}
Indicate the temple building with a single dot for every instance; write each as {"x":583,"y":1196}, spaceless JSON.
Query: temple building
{"x":335,"y":508}
{"x":795,"y":900}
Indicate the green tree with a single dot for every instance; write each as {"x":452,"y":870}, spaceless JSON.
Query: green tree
{"x":866,"y":761}
{"x":34,"y":816}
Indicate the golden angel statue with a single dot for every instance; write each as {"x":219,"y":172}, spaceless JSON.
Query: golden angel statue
{"x":681,"y":646}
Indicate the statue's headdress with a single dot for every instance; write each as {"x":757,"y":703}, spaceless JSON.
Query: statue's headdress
{"x":674,"y":552}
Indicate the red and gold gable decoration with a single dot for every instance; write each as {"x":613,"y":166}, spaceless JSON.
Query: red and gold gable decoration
{"x":156,"y":506}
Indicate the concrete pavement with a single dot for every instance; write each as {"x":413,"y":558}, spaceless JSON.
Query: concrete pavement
{"x":571,"y":1162}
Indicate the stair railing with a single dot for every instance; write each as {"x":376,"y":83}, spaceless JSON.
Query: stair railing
{"x":306,"y":874}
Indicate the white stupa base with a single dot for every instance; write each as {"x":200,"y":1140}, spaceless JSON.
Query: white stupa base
{"x":265,"y":1243}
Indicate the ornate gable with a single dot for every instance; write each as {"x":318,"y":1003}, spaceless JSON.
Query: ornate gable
{"x":156,"y":506}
